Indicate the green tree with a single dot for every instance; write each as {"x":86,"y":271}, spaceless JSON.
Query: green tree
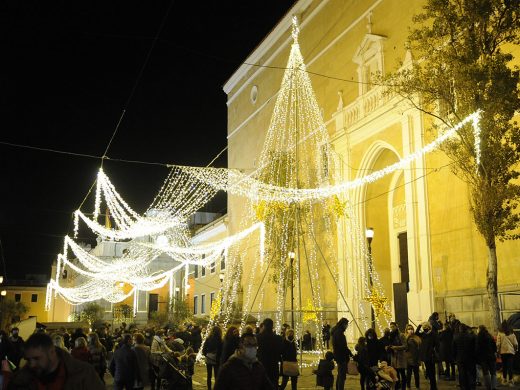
{"x":179,"y":311}
{"x":11,"y":311}
{"x":463,"y":65}
{"x":91,"y":313}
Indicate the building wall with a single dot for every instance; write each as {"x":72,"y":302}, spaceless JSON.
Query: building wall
{"x":206,"y":280}
{"x":26,"y":295}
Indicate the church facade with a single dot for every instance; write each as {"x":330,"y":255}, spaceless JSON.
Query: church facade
{"x":426,"y":249}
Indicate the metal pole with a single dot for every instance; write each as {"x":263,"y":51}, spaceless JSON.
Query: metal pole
{"x":372,"y":314}
{"x":292,"y":294}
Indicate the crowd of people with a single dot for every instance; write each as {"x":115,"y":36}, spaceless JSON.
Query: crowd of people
{"x":259,"y":358}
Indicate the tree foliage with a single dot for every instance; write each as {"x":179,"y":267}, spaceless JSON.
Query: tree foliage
{"x":91,"y":313}
{"x":463,"y":64}
{"x":11,"y":311}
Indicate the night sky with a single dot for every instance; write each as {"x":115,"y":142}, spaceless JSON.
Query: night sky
{"x":68,"y":70}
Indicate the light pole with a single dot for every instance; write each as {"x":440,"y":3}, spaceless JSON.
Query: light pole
{"x":369,"y":234}
{"x":292,"y":256}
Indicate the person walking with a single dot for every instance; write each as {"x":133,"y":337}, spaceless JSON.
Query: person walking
{"x":428,"y":350}
{"x":270,"y":351}
{"x":289,"y":355}
{"x":98,"y":354}
{"x":142,"y":354}
{"x":123,"y":366}
{"x":231,"y":341}
{"x":507,"y":346}
{"x":243,"y":371}
{"x":212,"y":351}
{"x":341,"y":351}
{"x":413,"y":360}
{"x":397,"y":349}
{"x":486,"y":351}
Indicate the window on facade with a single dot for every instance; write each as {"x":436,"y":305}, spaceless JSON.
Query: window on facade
{"x":212,"y":267}
{"x":195,"y":271}
{"x":369,"y":58}
{"x":195,"y":304}
{"x":34,"y":297}
{"x":203,"y":270}
{"x":222,"y":261}
{"x":211,"y":299}
{"x":17,"y":297}
{"x":202,"y":304}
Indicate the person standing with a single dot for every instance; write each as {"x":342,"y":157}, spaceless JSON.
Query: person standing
{"x":80,"y":350}
{"x":507,"y":346}
{"x":243,"y":371}
{"x":413,"y":344}
{"x":376,"y":351}
{"x":123,"y":366}
{"x":464,"y":346}
{"x":427,"y":351}
{"x":325,"y":332}
{"x":231,"y":341}
{"x":363,"y":361}
{"x":486,"y":350}
{"x":212,"y":351}
{"x":446,"y":351}
{"x":98,"y":355}
{"x":142,"y":353}
{"x":341,"y":351}
{"x":270,"y":351}
{"x":49,"y":367}
{"x":289,"y":355}
{"x":397,"y":349}
{"x":16,"y":347}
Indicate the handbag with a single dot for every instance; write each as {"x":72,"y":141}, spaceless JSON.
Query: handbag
{"x":211,"y":358}
{"x":290,"y":368}
{"x":352,"y":368}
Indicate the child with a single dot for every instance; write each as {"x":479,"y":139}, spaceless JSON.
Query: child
{"x":363,"y":362}
{"x":324,"y":376}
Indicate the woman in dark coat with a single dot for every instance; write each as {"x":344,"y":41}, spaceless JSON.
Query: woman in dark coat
{"x":486,"y":351}
{"x":446,"y":351}
{"x":375,"y":348}
{"x":289,"y":355}
{"x":363,"y":362}
{"x":212,"y":350}
{"x":231,"y":341}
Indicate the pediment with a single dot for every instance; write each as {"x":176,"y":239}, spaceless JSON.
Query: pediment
{"x":369,"y":46}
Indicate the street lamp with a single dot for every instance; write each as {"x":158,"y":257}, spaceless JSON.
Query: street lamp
{"x":292,"y":256}
{"x":369,"y":234}
{"x":1,"y":279}
{"x":221,"y":277}
{"x":3,"y":293}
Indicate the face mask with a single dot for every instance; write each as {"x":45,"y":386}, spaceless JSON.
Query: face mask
{"x":410,"y":331}
{"x":250,"y":353}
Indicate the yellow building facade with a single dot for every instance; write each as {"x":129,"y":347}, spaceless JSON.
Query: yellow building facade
{"x":426,"y":248}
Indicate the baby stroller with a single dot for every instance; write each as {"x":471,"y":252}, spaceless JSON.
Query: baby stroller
{"x":171,"y":376}
{"x":384,"y":378}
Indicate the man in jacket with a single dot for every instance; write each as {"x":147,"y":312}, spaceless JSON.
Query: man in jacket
{"x":428,"y":350}
{"x":464,"y":347}
{"x":123,"y":366}
{"x":49,"y":367}
{"x":243,"y":371}
{"x":270,"y":350}
{"x":341,"y":351}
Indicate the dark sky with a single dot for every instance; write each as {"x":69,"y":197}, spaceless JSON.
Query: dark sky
{"x":67,"y":72}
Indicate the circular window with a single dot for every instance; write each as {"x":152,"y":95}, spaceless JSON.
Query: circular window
{"x":253,"y":96}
